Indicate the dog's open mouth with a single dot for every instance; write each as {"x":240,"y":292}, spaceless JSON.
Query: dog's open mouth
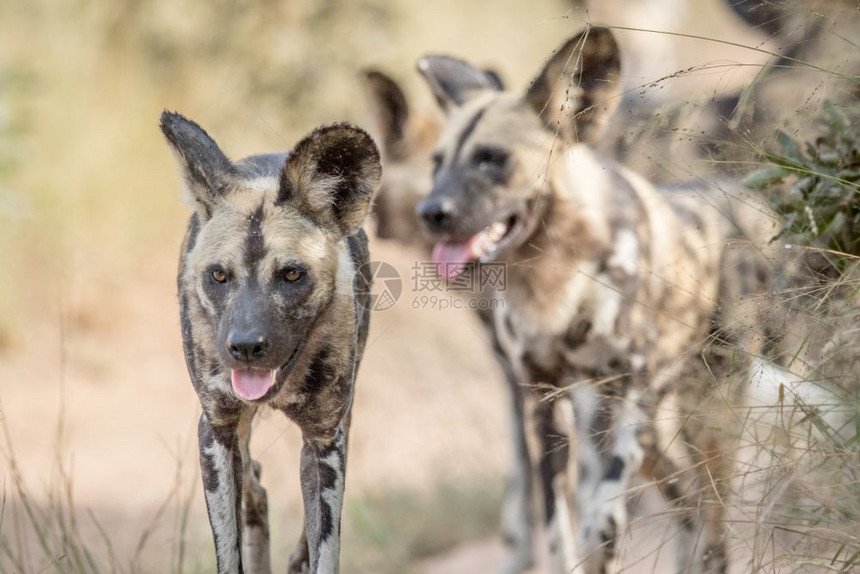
{"x":253,"y":384}
{"x":451,"y":257}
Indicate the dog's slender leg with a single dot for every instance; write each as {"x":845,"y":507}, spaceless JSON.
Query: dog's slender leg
{"x":322,"y":477}
{"x":677,"y":488}
{"x":669,"y":463}
{"x":622,"y":459}
{"x":518,"y":517}
{"x":599,"y":492}
{"x":591,"y":424}
{"x":697,"y":485}
{"x":709,"y":444}
{"x":300,"y":560}
{"x":255,"y":506}
{"x":517,"y":513}
{"x":221,"y":467}
{"x":698,"y":508}
{"x":714,"y":471}
{"x":555,"y":446}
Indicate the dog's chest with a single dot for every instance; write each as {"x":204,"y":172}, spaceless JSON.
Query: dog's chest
{"x":593,"y":332}
{"x":621,"y":313}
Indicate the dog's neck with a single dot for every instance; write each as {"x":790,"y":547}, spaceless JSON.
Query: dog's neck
{"x":570,"y":239}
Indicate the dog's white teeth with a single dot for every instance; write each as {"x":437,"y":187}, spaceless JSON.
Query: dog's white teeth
{"x":486,"y":241}
{"x":496,"y":231}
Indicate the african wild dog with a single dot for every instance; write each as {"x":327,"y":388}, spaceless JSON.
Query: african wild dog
{"x":406,"y":141}
{"x":274,"y":313}
{"x":634,"y":303}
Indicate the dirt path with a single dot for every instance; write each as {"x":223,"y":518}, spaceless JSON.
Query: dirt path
{"x":647,"y":548}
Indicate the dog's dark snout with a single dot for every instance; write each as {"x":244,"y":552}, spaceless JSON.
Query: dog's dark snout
{"x":247,"y":346}
{"x":437,"y":213}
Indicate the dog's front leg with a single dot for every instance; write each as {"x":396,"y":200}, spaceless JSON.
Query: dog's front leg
{"x":623,"y":456}
{"x":518,"y":517}
{"x":323,"y":474}
{"x":517,"y":513}
{"x":221,"y":467}
{"x":552,"y":466}
{"x":255,"y":505}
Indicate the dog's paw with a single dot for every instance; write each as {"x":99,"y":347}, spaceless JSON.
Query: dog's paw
{"x":517,"y":561}
{"x":714,"y":558}
{"x":519,"y":554}
{"x":298,"y":567}
{"x":300,"y":562}
{"x":608,"y":533}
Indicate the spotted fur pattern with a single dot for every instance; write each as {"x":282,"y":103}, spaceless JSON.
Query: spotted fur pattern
{"x":273,"y":308}
{"x":635,"y":306}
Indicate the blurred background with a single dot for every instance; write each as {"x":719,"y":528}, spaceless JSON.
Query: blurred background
{"x":99,"y":469}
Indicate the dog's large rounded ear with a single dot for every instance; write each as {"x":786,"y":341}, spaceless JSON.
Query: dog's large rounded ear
{"x":453,"y":81}
{"x":206,"y":171}
{"x":331,"y":176}
{"x":390,"y":112}
{"x":579,"y":87}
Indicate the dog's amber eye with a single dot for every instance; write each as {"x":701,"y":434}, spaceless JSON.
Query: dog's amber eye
{"x":293,"y":274}
{"x":219,"y":275}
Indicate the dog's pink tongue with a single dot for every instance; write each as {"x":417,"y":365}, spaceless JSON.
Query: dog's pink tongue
{"x":251,"y":384}
{"x":450,"y":258}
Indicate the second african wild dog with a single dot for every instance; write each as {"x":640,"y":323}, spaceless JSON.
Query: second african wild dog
{"x":634,"y":303}
{"x":274,"y":313}
{"x":405,"y":140}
